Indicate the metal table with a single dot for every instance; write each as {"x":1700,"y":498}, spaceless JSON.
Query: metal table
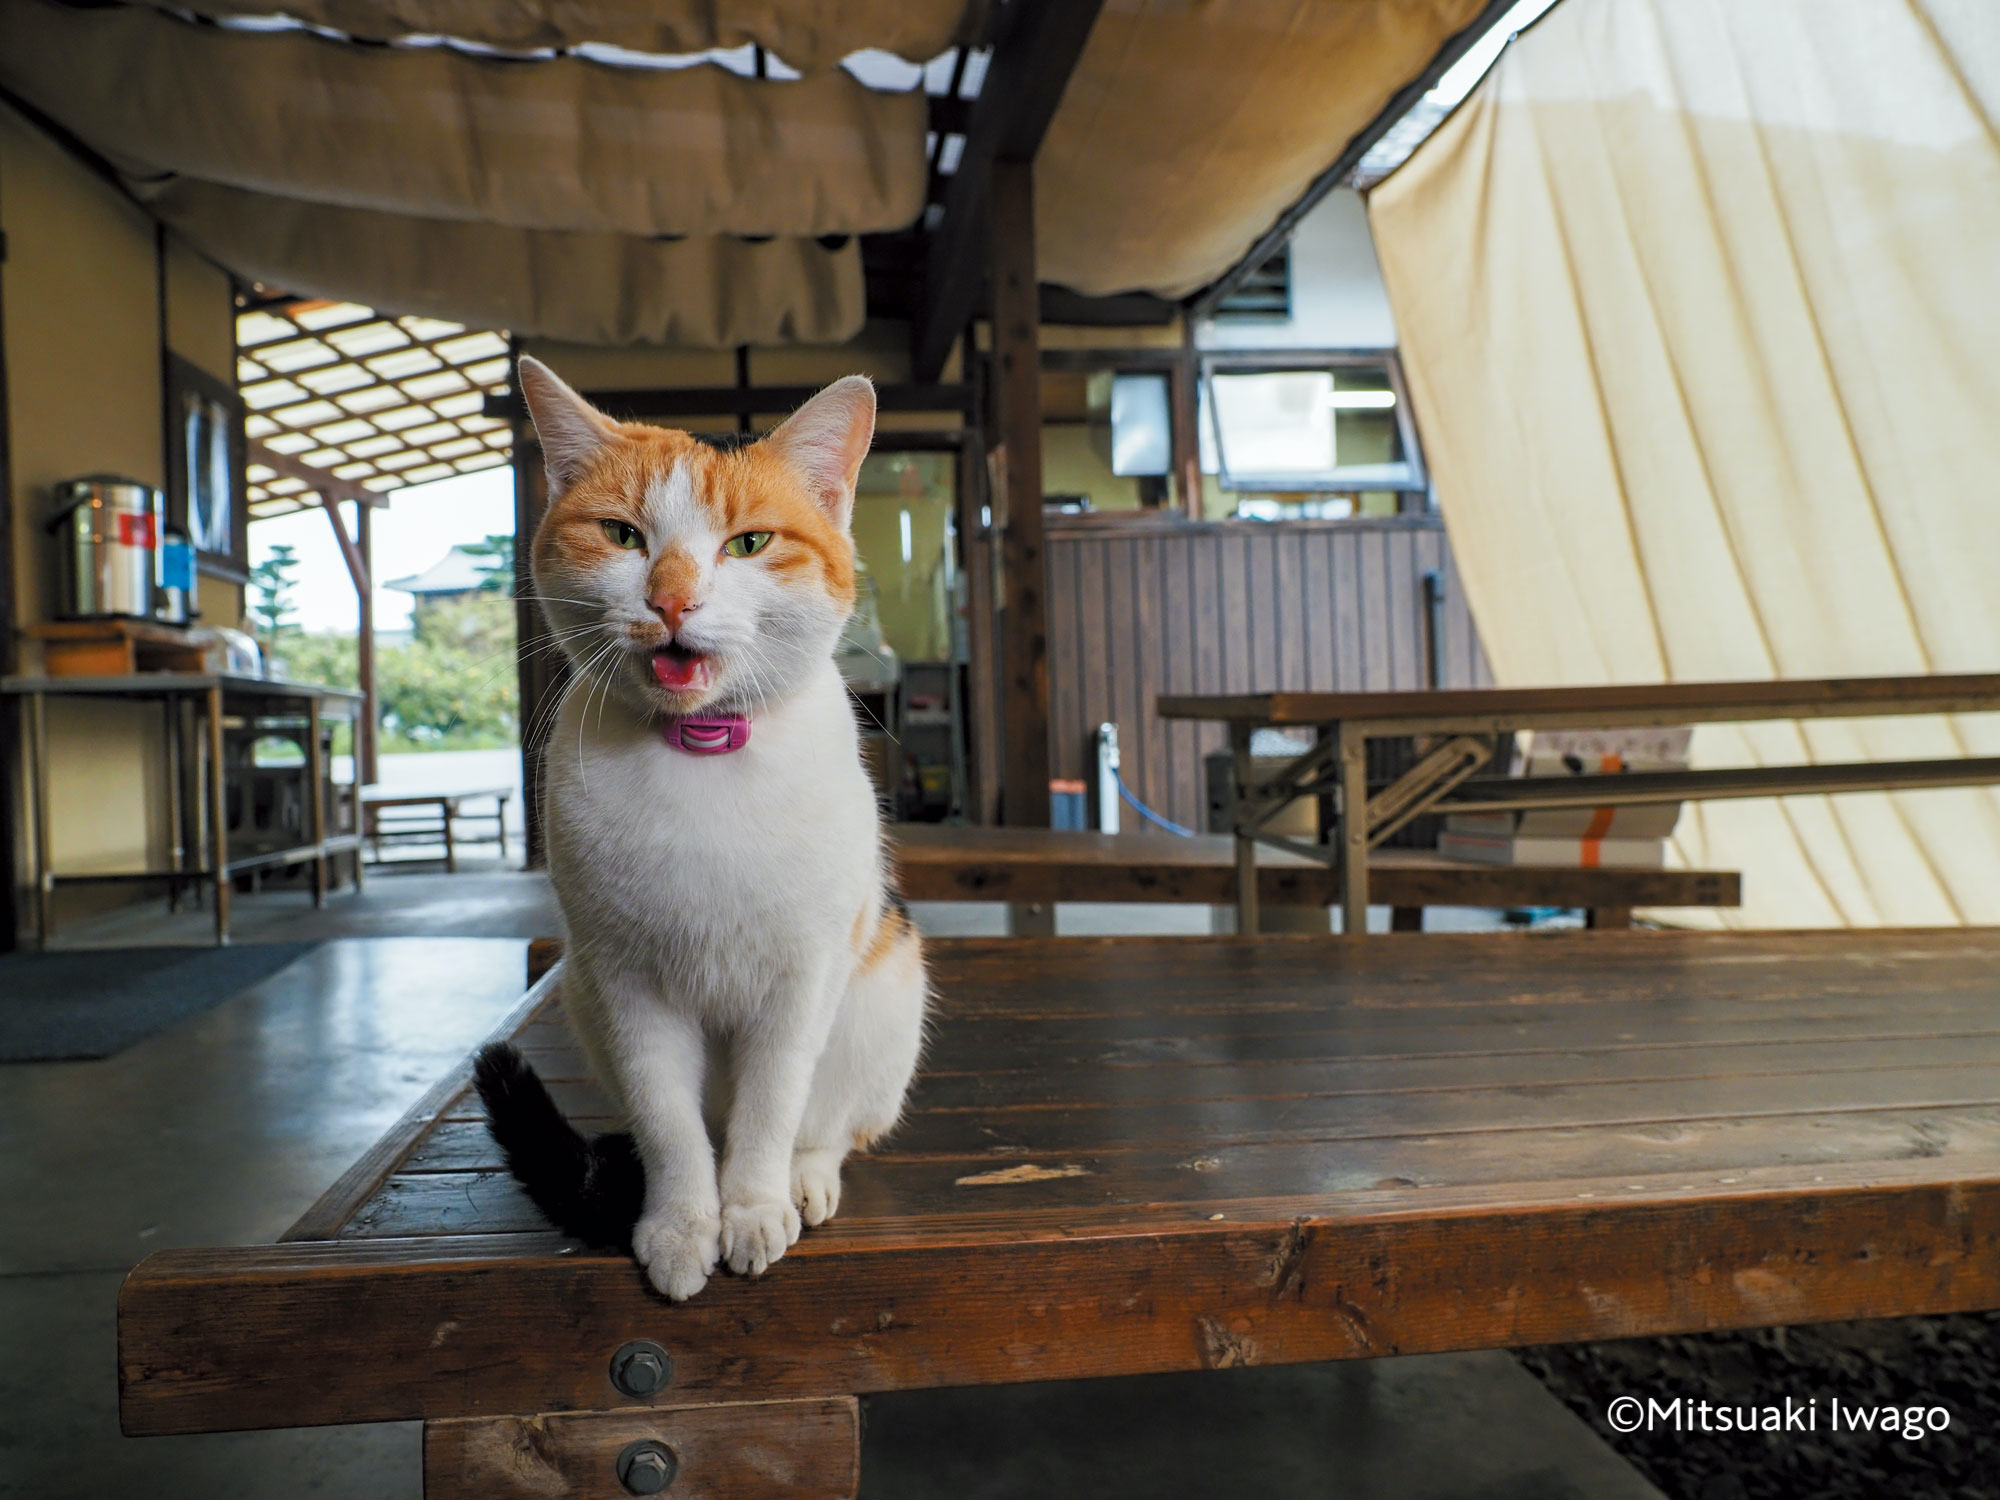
{"x":1468,"y":722}
{"x":195,"y":708}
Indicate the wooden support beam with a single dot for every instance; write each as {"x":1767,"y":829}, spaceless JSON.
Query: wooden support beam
{"x":1204,"y":302}
{"x":739,"y":401}
{"x":754,"y":1450}
{"x":1017,"y":406}
{"x":317,"y":480}
{"x":367,"y":769}
{"x":541,"y":672}
{"x":1024,"y":83}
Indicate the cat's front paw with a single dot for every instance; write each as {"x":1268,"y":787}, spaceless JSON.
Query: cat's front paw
{"x":754,"y":1235}
{"x":816,"y":1185}
{"x":678,"y":1248}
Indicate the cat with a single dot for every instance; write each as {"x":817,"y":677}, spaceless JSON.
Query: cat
{"x":737,"y":961}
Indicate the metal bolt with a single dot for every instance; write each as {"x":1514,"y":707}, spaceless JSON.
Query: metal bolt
{"x":647,"y":1467}
{"x":641,"y":1368}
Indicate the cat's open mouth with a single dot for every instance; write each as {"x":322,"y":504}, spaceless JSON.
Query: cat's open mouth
{"x":680,"y":670}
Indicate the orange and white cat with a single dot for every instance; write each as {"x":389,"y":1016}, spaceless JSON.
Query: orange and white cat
{"x":735,"y":954}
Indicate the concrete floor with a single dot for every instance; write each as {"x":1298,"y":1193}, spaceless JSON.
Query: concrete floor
{"x":225,"y":1128}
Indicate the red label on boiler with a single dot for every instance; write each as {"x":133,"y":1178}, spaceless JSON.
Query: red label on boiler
{"x":136,"y":531}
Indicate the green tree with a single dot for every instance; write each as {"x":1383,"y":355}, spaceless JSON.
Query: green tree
{"x":270,"y":602}
{"x":453,"y":687}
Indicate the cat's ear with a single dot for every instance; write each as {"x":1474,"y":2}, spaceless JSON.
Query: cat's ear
{"x":572,"y":431}
{"x":827,"y":438}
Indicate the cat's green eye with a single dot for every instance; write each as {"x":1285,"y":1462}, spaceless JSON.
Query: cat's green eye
{"x":623,"y":534}
{"x":747,"y":545}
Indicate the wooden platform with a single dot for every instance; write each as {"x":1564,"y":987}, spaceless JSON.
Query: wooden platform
{"x":939,"y":863}
{"x":1132,"y":1155}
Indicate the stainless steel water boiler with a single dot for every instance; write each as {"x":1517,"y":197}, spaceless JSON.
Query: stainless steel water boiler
{"x":107,"y":532}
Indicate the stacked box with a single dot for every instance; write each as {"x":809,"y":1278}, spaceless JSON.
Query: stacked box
{"x":1632,"y":837}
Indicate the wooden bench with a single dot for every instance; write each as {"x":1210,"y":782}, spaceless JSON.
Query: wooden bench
{"x":1461,"y":726}
{"x":447,"y":812}
{"x":935,"y":862}
{"x":1131,"y":1155}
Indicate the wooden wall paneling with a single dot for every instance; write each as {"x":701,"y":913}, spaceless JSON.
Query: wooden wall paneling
{"x":1017,"y":391}
{"x":1290,"y":598}
{"x":1406,"y":608}
{"x":1378,"y":655}
{"x":1232,"y":609}
{"x":1177,"y":635}
{"x":1127,"y":649}
{"x":1065,"y":666}
{"x":1344,"y":579}
{"x":1150,"y":678}
{"x":1266,"y":604}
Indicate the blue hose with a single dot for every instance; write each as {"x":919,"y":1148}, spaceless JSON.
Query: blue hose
{"x":1147,"y":813}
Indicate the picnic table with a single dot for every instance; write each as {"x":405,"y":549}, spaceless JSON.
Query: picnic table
{"x":940,"y":862}
{"x":1153,"y":1154}
{"x":446,"y":809}
{"x":1460,"y":728}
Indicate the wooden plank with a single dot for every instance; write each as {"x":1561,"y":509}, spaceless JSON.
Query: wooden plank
{"x":1658,"y":703}
{"x":1017,"y":404}
{"x":211,"y":1339}
{"x":882,"y":1188}
{"x":755,"y":1450}
{"x":1024,"y":83}
{"x":354,"y":1186}
{"x":939,"y":863}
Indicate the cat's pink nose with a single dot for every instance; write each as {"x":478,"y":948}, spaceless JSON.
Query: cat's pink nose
{"x":673,"y":608}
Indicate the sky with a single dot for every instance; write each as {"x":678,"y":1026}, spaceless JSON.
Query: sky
{"x":416,"y":528}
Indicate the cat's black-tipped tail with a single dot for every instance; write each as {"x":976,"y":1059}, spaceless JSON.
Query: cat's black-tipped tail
{"x":592,"y":1189}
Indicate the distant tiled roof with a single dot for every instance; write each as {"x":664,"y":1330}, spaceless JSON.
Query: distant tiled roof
{"x":457,"y":572}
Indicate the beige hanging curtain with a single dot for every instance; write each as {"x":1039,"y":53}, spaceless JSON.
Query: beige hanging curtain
{"x":708,"y":291}
{"x":558,"y":144}
{"x":810,"y":35}
{"x":1190,"y":125}
{"x":1700,"y":306}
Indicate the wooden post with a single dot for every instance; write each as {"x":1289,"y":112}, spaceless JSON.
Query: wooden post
{"x":756,"y":1450}
{"x":218,"y":817}
{"x":1353,"y":830}
{"x":980,"y":701}
{"x":1242,"y":774}
{"x":1017,"y":405}
{"x":366,"y":771}
{"x":316,"y":781}
{"x":1184,"y":418}
{"x":541,"y":673}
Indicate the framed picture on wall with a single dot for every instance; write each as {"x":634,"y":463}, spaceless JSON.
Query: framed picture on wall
{"x":207,"y":494}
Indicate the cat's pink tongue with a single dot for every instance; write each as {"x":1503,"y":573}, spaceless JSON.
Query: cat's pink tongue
{"x":680,"y":673}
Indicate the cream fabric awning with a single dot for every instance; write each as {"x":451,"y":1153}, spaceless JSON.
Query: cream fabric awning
{"x":1190,"y":125}
{"x":810,"y":35}
{"x":1700,"y":309}
{"x":708,"y":291}
{"x":560,"y":144}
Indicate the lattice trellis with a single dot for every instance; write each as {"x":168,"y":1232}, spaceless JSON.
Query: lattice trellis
{"x":378,"y":402}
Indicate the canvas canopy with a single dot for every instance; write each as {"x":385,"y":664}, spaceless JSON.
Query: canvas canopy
{"x":431,"y":131}
{"x":1697,"y":306}
{"x":531,"y":191}
{"x":708,"y":291}
{"x":810,"y":35}
{"x":1188,"y":128}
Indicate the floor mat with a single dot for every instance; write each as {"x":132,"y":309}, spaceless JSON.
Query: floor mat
{"x":97,"y":1002}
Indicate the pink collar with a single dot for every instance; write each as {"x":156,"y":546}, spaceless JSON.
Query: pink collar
{"x":706,"y":735}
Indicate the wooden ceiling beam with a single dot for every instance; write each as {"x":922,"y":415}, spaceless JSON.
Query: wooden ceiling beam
{"x":319,"y":481}
{"x":1024,"y":83}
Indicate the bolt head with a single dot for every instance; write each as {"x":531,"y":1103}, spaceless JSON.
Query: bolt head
{"x":647,"y":1467}
{"x":641,"y":1368}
